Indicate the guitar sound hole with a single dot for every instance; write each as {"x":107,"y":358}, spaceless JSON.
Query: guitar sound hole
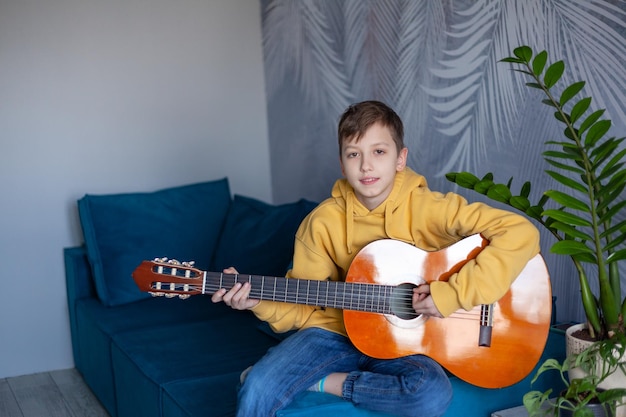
{"x":402,"y":301}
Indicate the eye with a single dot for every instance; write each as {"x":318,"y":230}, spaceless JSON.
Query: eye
{"x":352,"y":155}
{"x":379,"y":152}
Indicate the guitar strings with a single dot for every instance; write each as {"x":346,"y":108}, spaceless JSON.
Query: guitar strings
{"x":371,"y":303}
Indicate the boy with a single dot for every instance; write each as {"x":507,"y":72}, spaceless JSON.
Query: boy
{"x":379,"y":198}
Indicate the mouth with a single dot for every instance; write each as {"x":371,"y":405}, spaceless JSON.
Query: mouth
{"x":368,"y":180}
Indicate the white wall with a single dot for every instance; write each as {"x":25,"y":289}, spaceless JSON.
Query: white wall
{"x":112,"y":96}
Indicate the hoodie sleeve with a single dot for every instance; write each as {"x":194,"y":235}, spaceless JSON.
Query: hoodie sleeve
{"x":308,"y":264}
{"x":513,"y":241}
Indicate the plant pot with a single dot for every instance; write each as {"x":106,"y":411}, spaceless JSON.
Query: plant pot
{"x":574,"y":346}
{"x":599,"y":410}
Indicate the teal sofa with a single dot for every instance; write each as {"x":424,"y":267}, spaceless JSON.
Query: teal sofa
{"x":161,"y":357}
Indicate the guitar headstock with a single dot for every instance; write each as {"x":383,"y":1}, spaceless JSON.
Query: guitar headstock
{"x":169,"y":278}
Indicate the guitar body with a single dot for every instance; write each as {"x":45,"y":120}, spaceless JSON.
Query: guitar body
{"x":520,"y":319}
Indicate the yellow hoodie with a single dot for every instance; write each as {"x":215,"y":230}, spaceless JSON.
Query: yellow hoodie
{"x":333,"y":233}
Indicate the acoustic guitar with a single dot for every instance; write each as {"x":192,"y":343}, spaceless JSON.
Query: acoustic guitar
{"x":490,"y":346}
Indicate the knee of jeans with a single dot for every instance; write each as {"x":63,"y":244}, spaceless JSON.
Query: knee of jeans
{"x":434,"y":400}
{"x":429,"y":391}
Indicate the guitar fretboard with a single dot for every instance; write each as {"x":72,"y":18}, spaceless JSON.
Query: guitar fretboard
{"x":350,"y":296}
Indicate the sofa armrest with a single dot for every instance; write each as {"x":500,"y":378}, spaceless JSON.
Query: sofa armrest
{"x":78,"y":273}
{"x":79,"y":284}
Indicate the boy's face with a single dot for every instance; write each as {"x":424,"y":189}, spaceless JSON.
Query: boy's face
{"x":370,"y":165}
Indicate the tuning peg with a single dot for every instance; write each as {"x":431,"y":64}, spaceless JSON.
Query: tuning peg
{"x":156,"y":294}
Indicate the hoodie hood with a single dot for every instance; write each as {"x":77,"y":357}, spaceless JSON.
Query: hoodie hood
{"x":406,"y":182}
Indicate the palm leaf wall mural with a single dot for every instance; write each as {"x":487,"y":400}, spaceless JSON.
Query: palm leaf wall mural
{"x":436,"y":63}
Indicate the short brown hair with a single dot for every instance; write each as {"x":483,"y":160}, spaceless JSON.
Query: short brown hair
{"x":361,"y":116}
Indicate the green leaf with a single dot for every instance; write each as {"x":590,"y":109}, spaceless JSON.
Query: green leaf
{"x":570,"y":92}
{"x":613,"y":187}
{"x":520,"y":203}
{"x":580,"y":108}
{"x":615,"y":169}
{"x":613,"y":210}
{"x":618,"y":157}
{"x":558,"y":116}
{"x":534,"y":85}
{"x":483,"y":186}
{"x":553,"y":74}
{"x":590,"y":120}
{"x":466,"y":179}
{"x":614,"y":243}
{"x":450,"y":176}
{"x":571,"y":231}
{"x":535,"y":212}
{"x":525,"y":53}
{"x":567,"y":218}
{"x":512,"y":60}
{"x":564,"y":166}
{"x":596,"y":132}
{"x":567,"y":200}
{"x":525,"y":192}
{"x":570,"y":247}
{"x":613,"y":229}
{"x":617,"y":256}
{"x":499,"y":192}
{"x":560,"y":155}
{"x":585,"y":257}
{"x":567,"y":181}
{"x":539,"y":62}
{"x":601,"y":152}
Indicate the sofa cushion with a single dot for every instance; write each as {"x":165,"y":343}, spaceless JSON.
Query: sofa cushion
{"x":146,"y":360}
{"x":213,"y":395}
{"x":96,"y":324}
{"x":258,"y":237}
{"x":121,"y":230}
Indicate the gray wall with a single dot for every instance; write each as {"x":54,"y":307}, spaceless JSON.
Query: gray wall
{"x":112,"y":96}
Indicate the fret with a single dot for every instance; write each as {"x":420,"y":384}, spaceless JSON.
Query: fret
{"x":262,"y":286}
{"x":274,"y":291}
{"x":365,"y":301}
{"x":308,"y":288}
{"x":326,"y":303}
{"x":297,"y":290}
{"x":286,"y":289}
{"x":317,"y":294}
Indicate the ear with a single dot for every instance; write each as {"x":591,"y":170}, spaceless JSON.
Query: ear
{"x":343,"y":171}
{"x":401,"y":162}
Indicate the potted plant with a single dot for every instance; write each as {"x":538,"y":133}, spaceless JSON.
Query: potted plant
{"x":589,"y":165}
{"x":582,"y":397}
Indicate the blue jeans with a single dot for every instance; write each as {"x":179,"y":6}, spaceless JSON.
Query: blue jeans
{"x":408,"y":386}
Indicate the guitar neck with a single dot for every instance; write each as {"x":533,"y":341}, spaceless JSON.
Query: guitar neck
{"x":335,"y":294}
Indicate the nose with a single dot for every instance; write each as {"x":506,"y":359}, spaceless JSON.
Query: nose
{"x":365,"y":163}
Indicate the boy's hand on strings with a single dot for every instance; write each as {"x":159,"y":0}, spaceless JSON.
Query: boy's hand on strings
{"x":423,"y":303}
{"x":236,"y":297}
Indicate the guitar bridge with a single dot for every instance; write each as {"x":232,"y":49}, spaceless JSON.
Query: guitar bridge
{"x":486,"y":325}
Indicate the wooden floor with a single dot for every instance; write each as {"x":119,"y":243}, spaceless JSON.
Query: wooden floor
{"x":49,"y":394}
